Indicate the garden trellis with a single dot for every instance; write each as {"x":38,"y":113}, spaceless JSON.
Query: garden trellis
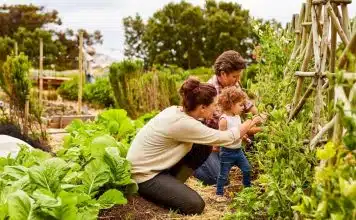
{"x":318,"y":21}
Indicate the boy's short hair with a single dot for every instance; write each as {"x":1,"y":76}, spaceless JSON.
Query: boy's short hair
{"x":230,"y":96}
{"x":228,"y":62}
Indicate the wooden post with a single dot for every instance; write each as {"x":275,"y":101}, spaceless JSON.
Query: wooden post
{"x":337,"y":134}
{"x":336,"y":24}
{"x":16,"y":49}
{"x":350,"y":48}
{"x":332,"y":61}
{"x":306,"y":19}
{"x":317,"y":66}
{"x":352,"y":93}
{"x":345,"y":20}
{"x":27,"y":112}
{"x":326,"y":128}
{"x":80,"y":90}
{"x":298,"y":89}
{"x":41,"y":71}
{"x":302,"y":101}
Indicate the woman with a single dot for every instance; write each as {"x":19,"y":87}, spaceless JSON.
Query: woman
{"x":167,"y":150}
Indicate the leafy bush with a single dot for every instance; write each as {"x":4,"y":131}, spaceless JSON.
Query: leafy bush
{"x":98,"y":93}
{"x":139,"y":92}
{"x":285,"y":165}
{"x":35,"y":185}
{"x":90,"y":172}
{"x":69,"y":89}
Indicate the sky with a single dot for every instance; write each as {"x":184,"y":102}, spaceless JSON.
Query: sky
{"x":106,"y":15}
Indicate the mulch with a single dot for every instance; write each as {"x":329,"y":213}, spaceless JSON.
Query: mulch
{"x":137,"y":208}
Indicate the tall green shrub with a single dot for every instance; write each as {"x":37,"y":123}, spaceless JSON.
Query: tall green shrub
{"x":138,"y":92}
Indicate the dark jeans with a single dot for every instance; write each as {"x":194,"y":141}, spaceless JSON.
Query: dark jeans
{"x":229,"y":158}
{"x":208,"y":172}
{"x":168,"y":189}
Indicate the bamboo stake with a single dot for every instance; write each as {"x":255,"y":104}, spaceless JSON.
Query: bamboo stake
{"x":41,"y":71}
{"x":340,"y":95}
{"x":352,"y":93}
{"x":337,"y":133}
{"x":317,"y":137}
{"x":345,"y":20}
{"x":16,"y":49}
{"x":336,"y":24}
{"x":296,"y":48}
{"x":27,"y":111}
{"x":80,"y":90}
{"x":302,"y":101}
{"x":316,"y":45}
{"x":346,"y":75}
{"x":305,"y":28}
{"x":316,"y":2}
{"x":324,"y":44}
{"x":350,"y":48}
{"x":337,"y":12}
{"x":318,"y":66}
{"x":332,"y":60}
{"x":304,"y":67}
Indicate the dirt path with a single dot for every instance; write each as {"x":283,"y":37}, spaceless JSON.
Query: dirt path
{"x":140,"y":209}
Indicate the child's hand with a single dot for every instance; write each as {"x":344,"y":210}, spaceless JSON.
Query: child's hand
{"x":257,"y":120}
{"x":264,"y":117}
{"x":246,"y":139}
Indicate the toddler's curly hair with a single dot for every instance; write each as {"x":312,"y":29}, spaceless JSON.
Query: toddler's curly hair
{"x":230,"y":96}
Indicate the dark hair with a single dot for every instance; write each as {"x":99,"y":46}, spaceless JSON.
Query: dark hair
{"x":228,"y":62}
{"x":230,"y":96}
{"x":195,"y":93}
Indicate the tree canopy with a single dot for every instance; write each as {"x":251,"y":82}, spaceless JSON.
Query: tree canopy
{"x":26,"y":24}
{"x":188,"y":36}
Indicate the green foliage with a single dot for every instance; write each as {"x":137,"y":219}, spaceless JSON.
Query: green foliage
{"x":247,"y":202}
{"x":6,"y":48}
{"x":14,"y":79}
{"x":285,"y":166}
{"x":186,"y":35}
{"x":69,"y":89}
{"x":334,"y":184}
{"x":98,"y":93}
{"x":90,"y":173}
{"x":134,"y":29}
{"x":139,"y":92}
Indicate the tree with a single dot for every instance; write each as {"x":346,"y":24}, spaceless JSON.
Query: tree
{"x":29,"y":16}
{"x":25,"y":25}
{"x":227,"y":28}
{"x":189,"y":36}
{"x":134,"y":29}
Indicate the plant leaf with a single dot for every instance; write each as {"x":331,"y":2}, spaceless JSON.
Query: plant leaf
{"x":95,"y":175}
{"x":112,"y":197}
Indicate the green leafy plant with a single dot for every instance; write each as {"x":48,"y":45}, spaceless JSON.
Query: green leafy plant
{"x":140,"y":92}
